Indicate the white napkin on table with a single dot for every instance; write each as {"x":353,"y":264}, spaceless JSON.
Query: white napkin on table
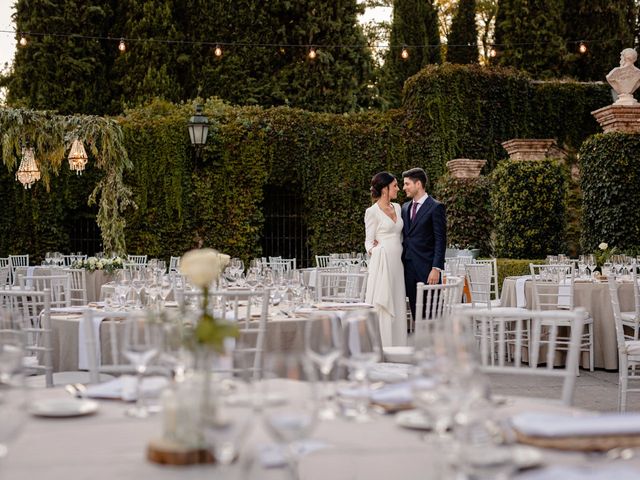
{"x":83,"y":354}
{"x":587,"y":472}
{"x":559,"y":425}
{"x":564,"y":293}
{"x":392,"y":394}
{"x":521,"y":299}
{"x":125,"y":388}
{"x":273,"y":456}
{"x":73,"y":309}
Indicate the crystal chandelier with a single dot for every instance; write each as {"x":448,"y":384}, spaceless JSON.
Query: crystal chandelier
{"x":28,"y":172}
{"x":77,"y":157}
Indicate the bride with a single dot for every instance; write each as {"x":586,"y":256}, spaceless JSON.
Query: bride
{"x":383,"y":242}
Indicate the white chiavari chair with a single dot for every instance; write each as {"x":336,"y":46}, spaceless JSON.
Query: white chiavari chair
{"x":495,"y":288}
{"x":553,"y":290}
{"x":59,"y":287}
{"x":344,"y":287}
{"x":78,"y":290}
{"x":5,"y":277}
{"x":433,"y":302}
{"x":632,"y":319}
{"x":4,"y":262}
{"x":137,"y":259}
{"x":480,"y":321}
{"x":322,"y":261}
{"x":628,"y":350}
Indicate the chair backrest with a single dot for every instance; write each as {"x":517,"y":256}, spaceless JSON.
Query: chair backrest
{"x":483,"y":323}
{"x":174,"y":264}
{"x":636,"y":291}
{"x":436,"y":301}
{"x":479,"y":278}
{"x":322,"y":261}
{"x":69,"y":259}
{"x":78,"y":279}
{"x":139,"y":259}
{"x":617,"y":317}
{"x":552,"y":286}
{"x":279,"y":264}
{"x":451,"y":266}
{"x":32,"y":309}
{"x":4,"y":262}
{"x":495,"y":288}
{"x":348,"y":287}
{"x":5,"y":276}
{"x":249,"y":311}
{"x":59,"y":287}
{"x":18,"y":261}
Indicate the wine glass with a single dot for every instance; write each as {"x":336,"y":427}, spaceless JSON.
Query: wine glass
{"x":361,"y":349}
{"x":291,"y":378}
{"x":323,"y":341}
{"x":141,"y":343}
{"x":137,"y":283}
{"x":123,"y":286}
{"x":12,"y":391}
{"x":165,"y":287}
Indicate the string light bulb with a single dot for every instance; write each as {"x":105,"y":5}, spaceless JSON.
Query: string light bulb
{"x":312,"y":53}
{"x":23,"y":41}
{"x":582,"y":48}
{"x":217,"y":51}
{"x":493,"y":53}
{"x":122,"y":46}
{"x":405,"y":53}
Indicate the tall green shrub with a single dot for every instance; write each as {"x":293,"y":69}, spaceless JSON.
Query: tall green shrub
{"x":462,"y":43}
{"x":469,"y":219}
{"x":610,"y":180}
{"x":529,"y":207}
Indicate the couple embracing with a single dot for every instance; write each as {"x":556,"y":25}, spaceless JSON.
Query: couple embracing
{"x":406,"y":246}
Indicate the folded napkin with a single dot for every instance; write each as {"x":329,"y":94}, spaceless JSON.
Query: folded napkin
{"x":83,"y":353}
{"x":558,"y":425}
{"x":78,"y":309}
{"x":521,"y":299}
{"x":273,"y":456}
{"x":587,"y":472}
{"x":125,"y":388}
{"x":393,"y":394}
{"x":30,"y":272}
{"x":564,"y":293}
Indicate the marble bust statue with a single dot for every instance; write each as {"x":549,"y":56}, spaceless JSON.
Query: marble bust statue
{"x":625,"y":79}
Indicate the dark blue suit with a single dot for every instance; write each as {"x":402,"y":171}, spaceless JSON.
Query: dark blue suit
{"x":424,"y":243}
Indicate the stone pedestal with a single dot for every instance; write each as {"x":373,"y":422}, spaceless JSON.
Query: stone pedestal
{"x":524,"y":149}
{"x":465,"y":167}
{"x":619,"y":118}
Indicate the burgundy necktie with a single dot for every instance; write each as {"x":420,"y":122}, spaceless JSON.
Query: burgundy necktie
{"x":414,"y":208}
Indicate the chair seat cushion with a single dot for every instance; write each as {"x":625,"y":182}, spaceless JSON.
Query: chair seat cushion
{"x":632,"y":347}
{"x":628,"y":316}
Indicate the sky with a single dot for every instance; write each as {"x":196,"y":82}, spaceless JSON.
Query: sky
{"x":8,"y":42}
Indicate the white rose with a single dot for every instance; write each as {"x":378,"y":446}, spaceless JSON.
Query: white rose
{"x":99,"y":265}
{"x":203,"y":266}
{"x":603,"y":246}
{"x":92,"y":261}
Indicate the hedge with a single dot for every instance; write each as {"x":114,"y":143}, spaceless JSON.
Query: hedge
{"x":469,"y":218}
{"x":508,"y":267}
{"x":529,"y":206}
{"x":610,"y":181}
{"x":216,"y":199}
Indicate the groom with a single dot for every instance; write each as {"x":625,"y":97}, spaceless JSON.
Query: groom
{"x":424,"y":235}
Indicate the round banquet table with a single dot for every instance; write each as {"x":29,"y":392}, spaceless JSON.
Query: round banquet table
{"x":593,"y":297}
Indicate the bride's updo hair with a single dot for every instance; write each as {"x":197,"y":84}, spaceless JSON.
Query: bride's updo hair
{"x":378,"y":182}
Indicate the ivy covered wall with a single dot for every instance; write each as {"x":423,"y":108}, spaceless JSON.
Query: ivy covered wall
{"x":216,"y":200}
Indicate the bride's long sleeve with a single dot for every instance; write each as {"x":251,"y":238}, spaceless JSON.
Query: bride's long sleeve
{"x":370,"y":226}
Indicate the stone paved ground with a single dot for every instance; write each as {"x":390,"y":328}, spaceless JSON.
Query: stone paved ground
{"x":594,"y":390}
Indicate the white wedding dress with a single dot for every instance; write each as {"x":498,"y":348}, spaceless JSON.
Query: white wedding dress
{"x":385,"y":284}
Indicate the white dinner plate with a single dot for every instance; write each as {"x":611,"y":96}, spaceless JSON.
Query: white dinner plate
{"x":389,"y":372}
{"x":246,"y":400}
{"x":63,"y":407}
{"x":413,"y":419}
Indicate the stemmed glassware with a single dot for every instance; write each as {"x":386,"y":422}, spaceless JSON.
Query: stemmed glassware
{"x":165,"y":287}
{"x":137,"y":283}
{"x":292,"y":421}
{"x":12,"y":392}
{"x":123,"y":286}
{"x":323,"y":341}
{"x":361,"y":349}
{"x":141,"y":343}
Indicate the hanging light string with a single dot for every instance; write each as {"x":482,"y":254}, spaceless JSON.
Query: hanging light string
{"x":124,"y":42}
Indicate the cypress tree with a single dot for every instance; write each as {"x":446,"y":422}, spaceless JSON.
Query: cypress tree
{"x":530,"y":36}
{"x":609,"y":24}
{"x":67,"y":74}
{"x":415,"y":24}
{"x":463,"y":40}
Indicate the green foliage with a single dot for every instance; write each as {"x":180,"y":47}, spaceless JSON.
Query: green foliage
{"x":610,"y":23}
{"x":469,"y":219}
{"x":462,"y":43}
{"x":529,"y":36}
{"x":415,"y":24}
{"x":610,"y":181}
{"x":509,"y":267}
{"x":529,"y":206}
